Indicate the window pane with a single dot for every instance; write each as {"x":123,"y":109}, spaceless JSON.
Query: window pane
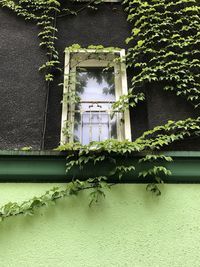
{"x":93,"y":121}
{"x":94,"y":126}
{"x":95,"y":84}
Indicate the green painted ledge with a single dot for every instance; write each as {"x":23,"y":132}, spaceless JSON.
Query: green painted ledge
{"x":49,"y":166}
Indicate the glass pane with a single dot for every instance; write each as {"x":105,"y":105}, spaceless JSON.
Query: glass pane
{"x":94,"y":126}
{"x":95,"y":84}
{"x":96,"y":89}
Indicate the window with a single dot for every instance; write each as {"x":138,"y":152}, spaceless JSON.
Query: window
{"x":94,"y":80}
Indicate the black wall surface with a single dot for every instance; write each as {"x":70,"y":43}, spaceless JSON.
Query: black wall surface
{"x":23,"y":90}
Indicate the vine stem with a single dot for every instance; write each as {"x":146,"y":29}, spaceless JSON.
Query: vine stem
{"x":54,"y":198}
{"x":79,"y":10}
{"x":42,"y":146}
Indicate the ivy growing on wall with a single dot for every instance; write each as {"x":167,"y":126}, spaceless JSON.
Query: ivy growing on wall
{"x":165,"y":46}
{"x":45,"y":14}
{"x":164,"y":49}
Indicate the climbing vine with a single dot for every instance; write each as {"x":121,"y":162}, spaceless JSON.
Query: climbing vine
{"x":51,"y":196}
{"x":45,"y":14}
{"x":165,"y":46}
{"x":164,"y":49}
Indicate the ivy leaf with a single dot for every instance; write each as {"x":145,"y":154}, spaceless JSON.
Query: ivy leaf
{"x":140,"y":43}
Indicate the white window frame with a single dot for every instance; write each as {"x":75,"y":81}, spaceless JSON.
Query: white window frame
{"x":121,"y":87}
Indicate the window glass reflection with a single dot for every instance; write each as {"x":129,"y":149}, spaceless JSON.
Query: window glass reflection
{"x":95,"y":84}
{"x":93,"y":121}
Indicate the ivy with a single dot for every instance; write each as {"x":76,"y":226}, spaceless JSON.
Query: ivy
{"x":45,"y":14}
{"x":151,"y":142}
{"x":165,"y":46}
{"x":96,"y":187}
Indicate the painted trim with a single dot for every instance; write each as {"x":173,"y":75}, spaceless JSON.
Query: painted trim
{"x":49,"y":166}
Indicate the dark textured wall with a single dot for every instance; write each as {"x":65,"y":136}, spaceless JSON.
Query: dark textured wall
{"x":23,"y":91}
{"x":163,"y":106}
{"x":22,"y":88}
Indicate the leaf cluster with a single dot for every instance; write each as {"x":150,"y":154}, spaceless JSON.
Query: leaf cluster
{"x":45,"y":14}
{"x":165,"y":46}
{"x":96,"y":186}
{"x":151,"y":142}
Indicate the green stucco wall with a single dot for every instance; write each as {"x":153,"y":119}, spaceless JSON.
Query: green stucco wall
{"x":129,"y":228}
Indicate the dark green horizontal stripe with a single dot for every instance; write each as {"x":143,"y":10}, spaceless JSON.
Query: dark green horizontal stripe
{"x":49,"y":166}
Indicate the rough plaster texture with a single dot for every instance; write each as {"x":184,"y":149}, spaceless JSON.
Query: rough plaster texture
{"x":22,"y":87}
{"x":129,"y":228}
